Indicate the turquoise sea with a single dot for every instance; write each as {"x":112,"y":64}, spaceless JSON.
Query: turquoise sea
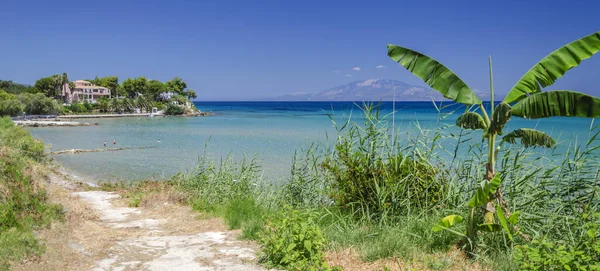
{"x":269,"y":130}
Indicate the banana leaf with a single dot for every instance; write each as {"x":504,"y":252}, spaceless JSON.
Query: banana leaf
{"x":447,"y":222}
{"x":501,"y":116}
{"x":470,"y":120}
{"x":436,"y":75}
{"x":485,"y":191}
{"x":554,"y":66}
{"x":530,"y":137}
{"x":558,"y":103}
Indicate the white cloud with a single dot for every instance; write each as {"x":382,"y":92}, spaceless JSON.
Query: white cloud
{"x":357,"y":68}
{"x":336,"y":71}
{"x":381,"y":67}
{"x":348,"y":75}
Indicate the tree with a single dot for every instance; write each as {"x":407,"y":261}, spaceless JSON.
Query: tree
{"x":154,"y":88}
{"x":525,"y":100}
{"x":110,"y":82}
{"x":136,"y":85}
{"x":12,"y":107}
{"x":57,"y":83}
{"x":191,"y":94}
{"x":176,"y":85}
{"x":11,"y":87}
{"x":38,"y":104}
{"x":45,"y":85}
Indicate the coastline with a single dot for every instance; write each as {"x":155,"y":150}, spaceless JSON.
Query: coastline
{"x":47,"y":123}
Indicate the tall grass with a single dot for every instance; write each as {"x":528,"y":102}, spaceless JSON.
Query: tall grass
{"x":23,"y":201}
{"x":381,"y":194}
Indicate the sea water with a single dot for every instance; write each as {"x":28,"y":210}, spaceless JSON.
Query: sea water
{"x":269,"y":131}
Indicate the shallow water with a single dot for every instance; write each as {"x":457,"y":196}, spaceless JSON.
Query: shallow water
{"x":270,"y":130}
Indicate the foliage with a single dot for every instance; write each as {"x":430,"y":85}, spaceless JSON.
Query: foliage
{"x":293,"y":240}
{"x":581,"y":254}
{"x":45,"y":85}
{"x":434,"y":74}
{"x":135,"y":85}
{"x":554,"y":66}
{"x":14,"y":88}
{"x":77,"y":107}
{"x":110,"y":82}
{"x":174,"y":110}
{"x":214,"y":184}
{"x":191,"y":94}
{"x":367,"y":169}
{"x":176,"y":85}
{"x":557,"y":103}
{"x":470,"y":120}
{"x":529,"y":138}
{"x":38,"y":104}
{"x":23,"y":202}
{"x":538,"y":105}
{"x":11,"y":107}
{"x":155,"y":87}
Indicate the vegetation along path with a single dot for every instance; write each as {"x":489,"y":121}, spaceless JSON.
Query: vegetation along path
{"x":103,"y":233}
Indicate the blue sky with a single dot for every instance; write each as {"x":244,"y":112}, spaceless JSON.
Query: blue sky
{"x":249,"y":49}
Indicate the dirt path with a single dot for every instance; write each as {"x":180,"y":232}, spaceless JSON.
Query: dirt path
{"x":102,"y":233}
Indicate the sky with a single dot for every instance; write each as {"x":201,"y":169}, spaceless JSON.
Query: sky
{"x":245,"y":50}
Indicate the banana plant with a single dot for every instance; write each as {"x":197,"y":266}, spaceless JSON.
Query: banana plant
{"x":525,"y":100}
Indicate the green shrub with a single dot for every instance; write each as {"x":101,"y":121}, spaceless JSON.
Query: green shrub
{"x":293,"y":240}
{"x":11,"y":107}
{"x":581,"y":253}
{"x":369,"y":169}
{"x":174,"y":110}
{"x":88,"y":106}
{"x":39,"y":104}
{"x":77,"y":107}
{"x":23,"y":203}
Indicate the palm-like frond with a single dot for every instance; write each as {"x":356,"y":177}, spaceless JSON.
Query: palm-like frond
{"x":434,"y":74}
{"x":558,"y":103}
{"x":554,"y":66}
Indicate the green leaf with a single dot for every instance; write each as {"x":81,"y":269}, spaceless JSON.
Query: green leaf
{"x":308,"y":245}
{"x":447,"y":222}
{"x":489,"y":227}
{"x":514,"y":217}
{"x":436,"y":75}
{"x":470,"y":120}
{"x":291,"y":246}
{"x":502,"y":220}
{"x":485,"y":191}
{"x":558,"y":103}
{"x":501,"y":116}
{"x":530,"y":137}
{"x":554,"y":66}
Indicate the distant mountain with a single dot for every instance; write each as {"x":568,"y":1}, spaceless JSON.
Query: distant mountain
{"x":370,"y":90}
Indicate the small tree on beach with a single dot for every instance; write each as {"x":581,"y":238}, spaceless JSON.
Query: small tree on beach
{"x":525,"y":100}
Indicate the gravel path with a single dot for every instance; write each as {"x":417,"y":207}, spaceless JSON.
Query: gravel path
{"x":152,"y":249}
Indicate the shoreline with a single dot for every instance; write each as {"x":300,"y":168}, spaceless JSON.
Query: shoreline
{"x":48,"y":123}
{"x":102,"y":116}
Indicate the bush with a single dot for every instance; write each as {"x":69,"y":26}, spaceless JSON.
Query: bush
{"x":78,"y":108}
{"x":370,"y":170}
{"x":582,"y":253}
{"x":174,"y":110}
{"x":23,"y":202}
{"x":159,"y":105}
{"x":39,"y":104}
{"x":11,"y":108}
{"x":293,"y":240}
{"x":88,"y":106}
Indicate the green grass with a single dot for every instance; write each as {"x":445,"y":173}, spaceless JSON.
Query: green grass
{"x":23,"y":201}
{"x":382,"y":195}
